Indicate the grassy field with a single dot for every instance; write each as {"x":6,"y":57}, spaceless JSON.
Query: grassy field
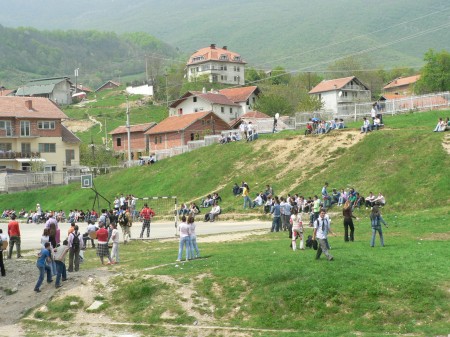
{"x":258,"y":286}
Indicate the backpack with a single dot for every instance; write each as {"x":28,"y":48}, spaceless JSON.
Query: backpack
{"x":123,"y":218}
{"x":105,"y":219}
{"x":75,"y":241}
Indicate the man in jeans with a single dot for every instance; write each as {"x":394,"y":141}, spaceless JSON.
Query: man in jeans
{"x":74,"y":249}
{"x":14,"y":236}
{"x":321,"y":230}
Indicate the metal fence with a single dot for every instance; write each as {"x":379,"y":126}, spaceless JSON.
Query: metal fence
{"x":31,"y":180}
{"x":399,"y":105}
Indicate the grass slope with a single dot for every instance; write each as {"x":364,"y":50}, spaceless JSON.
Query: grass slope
{"x":405,"y":164}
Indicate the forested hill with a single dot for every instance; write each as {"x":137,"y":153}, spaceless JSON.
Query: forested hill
{"x":27,"y":53}
{"x":296,"y":34}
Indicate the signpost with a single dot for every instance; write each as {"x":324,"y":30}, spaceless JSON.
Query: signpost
{"x":87,"y":181}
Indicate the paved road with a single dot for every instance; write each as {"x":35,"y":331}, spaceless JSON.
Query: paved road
{"x":31,"y":233}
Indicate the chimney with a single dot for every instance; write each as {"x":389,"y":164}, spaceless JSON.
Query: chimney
{"x":204,"y":90}
{"x":213,"y":46}
{"x":29,"y":104}
{"x":225,"y":47}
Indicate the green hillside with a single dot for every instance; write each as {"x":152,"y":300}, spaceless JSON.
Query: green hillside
{"x":404,"y":162}
{"x":266,"y":34}
{"x":27,"y":53}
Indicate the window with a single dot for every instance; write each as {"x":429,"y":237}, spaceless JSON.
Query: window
{"x":236,"y":58}
{"x":156,"y":140}
{"x":223,"y":57}
{"x":223,"y":78}
{"x":70,"y":155}
{"x":49,"y":168}
{"x":194,"y":99}
{"x":47,"y":147}
{"x":5,"y":147}
{"x":25,"y":129}
{"x":192,"y":136}
{"x":195,"y":110}
{"x":222,"y":109}
{"x":26,"y":148}
{"x":6,"y":125}
{"x":248,"y":102}
{"x":231,"y":110}
{"x":118,"y":141}
{"x":46,"y":125}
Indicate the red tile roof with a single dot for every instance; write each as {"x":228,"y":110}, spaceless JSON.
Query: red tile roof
{"x":177,"y":123}
{"x":239,"y":94}
{"x":68,"y":136}
{"x":5,"y":92}
{"x":211,"y":97}
{"x":393,"y":96}
{"x":133,"y":128}
{"x":213,"y":53}
{"x":14,"y":106}
{"x":330,"y":85}
{"x":249,"y":115}
{"x":401,"y":81}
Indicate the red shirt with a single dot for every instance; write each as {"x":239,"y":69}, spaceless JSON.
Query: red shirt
{"x":13,"y":228}
{"x":102,"y":235}
{"x":147,"y":213}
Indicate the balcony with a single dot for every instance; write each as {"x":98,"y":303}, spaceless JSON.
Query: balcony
{"x":18,"y":155}
{"x":71,"y":163}
{"x":11,"y":133}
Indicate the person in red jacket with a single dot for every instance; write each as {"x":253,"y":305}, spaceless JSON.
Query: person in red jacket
{"x":102,"y":243}
{"x":147,"y":214}
{"x":14,"y":236}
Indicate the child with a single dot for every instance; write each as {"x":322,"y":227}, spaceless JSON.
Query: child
{"x":297,"y":229}
{"x":185,"y":239}
{"x":115,"y":240}
{"x":376,"y":219}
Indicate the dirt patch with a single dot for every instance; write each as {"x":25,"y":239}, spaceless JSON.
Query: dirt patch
{"x":315,"y":150}
{"x":78,"y":125}
{"x":446,"y":143}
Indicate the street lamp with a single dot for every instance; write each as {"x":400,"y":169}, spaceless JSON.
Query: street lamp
{"x":76,"y":80}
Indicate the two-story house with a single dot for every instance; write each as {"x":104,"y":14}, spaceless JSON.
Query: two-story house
{"x":339,"y":93}
{"x":228,"y":104}
{"x":32,"y":133}
{"x":57,"y":89}
{"x":139,"y":141}
{"x":219,"y":64}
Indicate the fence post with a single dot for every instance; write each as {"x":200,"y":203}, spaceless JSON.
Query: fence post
{"x":355,"y":112}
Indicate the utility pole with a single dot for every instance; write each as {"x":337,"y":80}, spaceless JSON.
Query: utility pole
{"x":76,"y":80}
{"x":146,"y":70}
{"x":128,"y":133}
{"x":167,"y":92}
{"x":106,"y":136}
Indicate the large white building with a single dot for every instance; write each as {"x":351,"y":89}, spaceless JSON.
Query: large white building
{"x":338,"y":94}
{"x":219,"y":64}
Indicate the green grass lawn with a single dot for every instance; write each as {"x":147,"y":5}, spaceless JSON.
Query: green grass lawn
{"x":400,"y":289}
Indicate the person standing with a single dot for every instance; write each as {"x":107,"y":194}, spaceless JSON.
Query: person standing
{"x":325,"y":196}
{"x":376,"y":219}
{"x":125,"y":222}
{"x":316,"y":208}
{"x":194,"y":246}
{"x":52,"y":225}
{"x":14,"y":236}
{"x":42,"y":264}
{"x":348,"y":221}
{"x":147,"y":214}
{"x":322,"y":226}
{"x":3,"y":245}
{"x":75,"y":241}
{"x":115,"y":237}
{"x":102,"y":243}
{"x":245,"y":194}
{"x":297,"y":229}
{"x":275,"y":210}
{"x":60,"y":259}
{"x":185,"y":241}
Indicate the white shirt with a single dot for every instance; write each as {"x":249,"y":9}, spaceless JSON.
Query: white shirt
{"x":322,"y":231}
{"x":115,"y":235}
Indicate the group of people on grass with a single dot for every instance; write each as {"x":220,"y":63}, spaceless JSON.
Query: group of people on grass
{"x":319,"y":126}
{"x":442,"y":125}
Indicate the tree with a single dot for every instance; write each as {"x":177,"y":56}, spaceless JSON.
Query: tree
{"x":435,"y":75}
{"x":279,"y":76}
{"x":252,"y":76}
{"x":309,"y":103}
{"x":270,"y":104}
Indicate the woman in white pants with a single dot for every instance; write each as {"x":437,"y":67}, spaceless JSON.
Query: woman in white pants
{"x":297,"y":229}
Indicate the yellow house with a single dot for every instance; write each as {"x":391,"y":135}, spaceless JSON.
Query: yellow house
{"x":32,"y":136}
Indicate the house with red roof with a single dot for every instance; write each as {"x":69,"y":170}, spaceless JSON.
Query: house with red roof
{"x":401,"y":85}
{"x":178,"y":130}
{"x":339,"y":92}
{"x":139,"y":142}
{"x":228,"y":104}
{"x":220,"y":65}
{"x":32,"y":131}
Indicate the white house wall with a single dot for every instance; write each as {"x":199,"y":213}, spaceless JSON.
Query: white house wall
{"x":234,"y":73}
{"x":61,"y":94}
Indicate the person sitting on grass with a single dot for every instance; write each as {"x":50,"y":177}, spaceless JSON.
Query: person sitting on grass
{"x":208,"y":201}
{"x":370,"y":200}
{"x":366,"y":125}
{"x":258,"y":201}
{"x":216,"y":197}
{"x":376,"y":124}
{"x":236,"y":190}
{"x":441,"y":126}
{"x":380,"y":200}
{"x":215,"y":211}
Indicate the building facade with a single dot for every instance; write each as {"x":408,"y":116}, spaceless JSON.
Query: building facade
{"x":139,"y":141}
{"x":32,"y":136}
{"x":219,"y":65}
{"x":57,"y":89}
